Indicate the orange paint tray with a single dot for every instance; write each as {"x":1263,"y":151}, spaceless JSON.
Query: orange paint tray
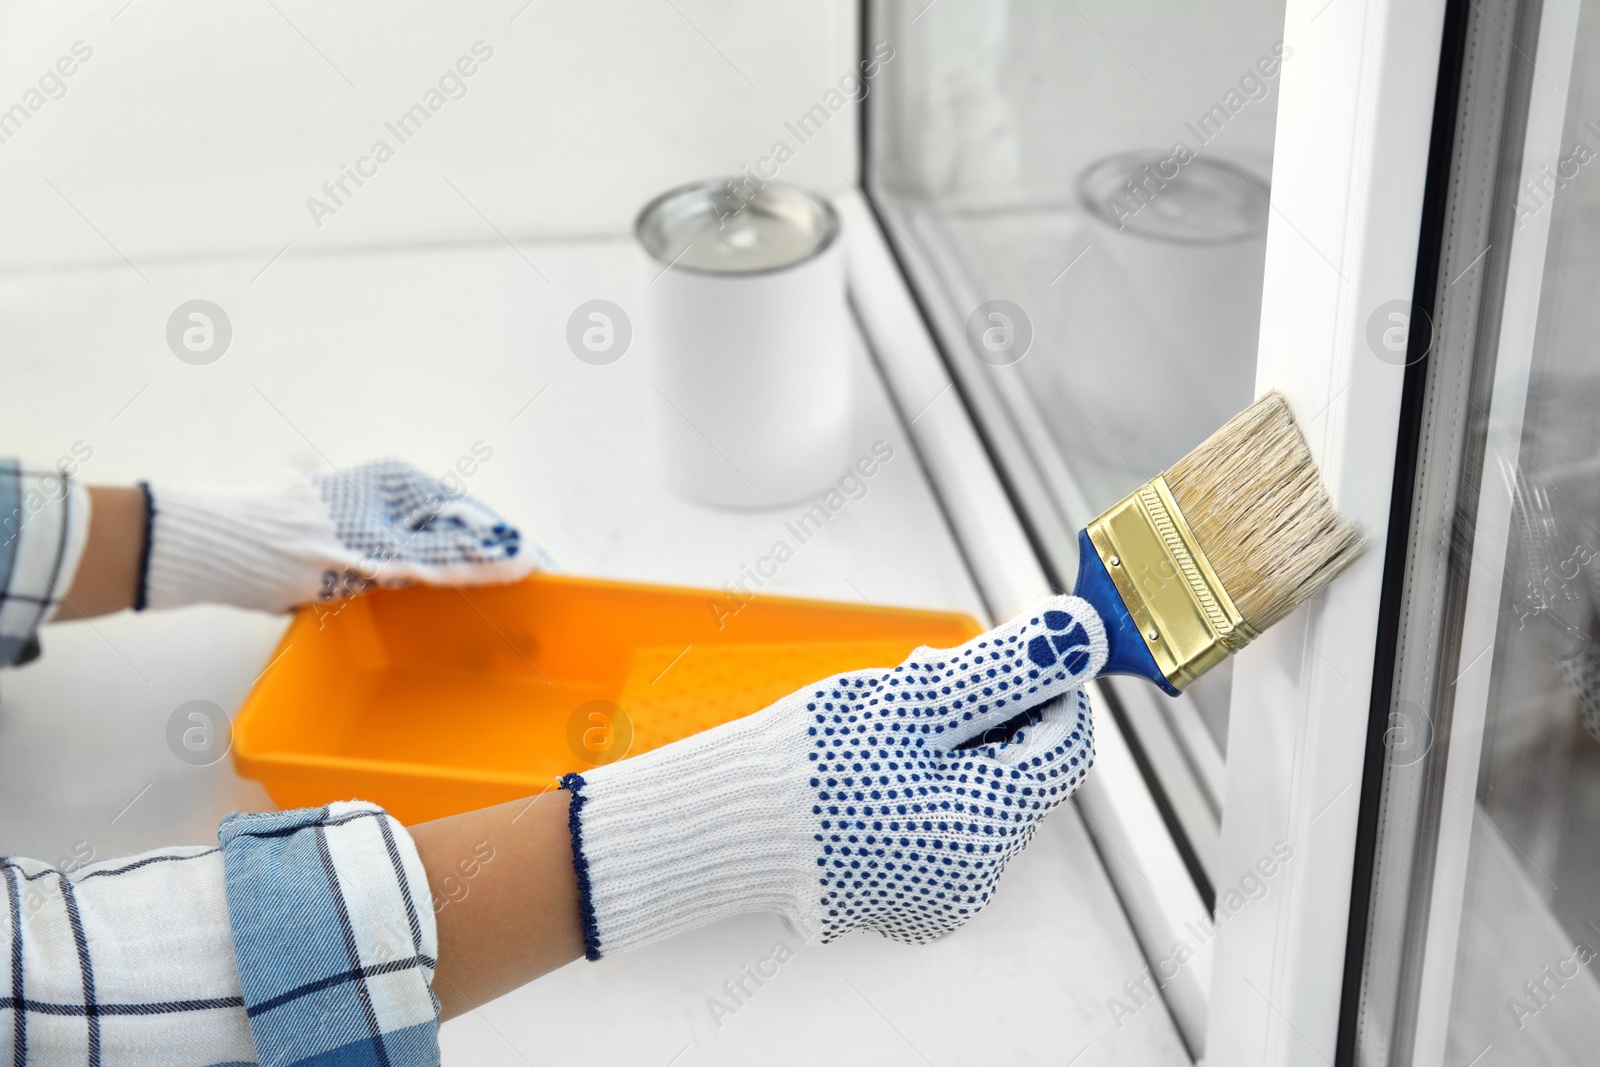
{"x":435,"y":701}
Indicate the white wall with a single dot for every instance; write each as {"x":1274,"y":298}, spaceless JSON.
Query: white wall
{"x":200,"y":128}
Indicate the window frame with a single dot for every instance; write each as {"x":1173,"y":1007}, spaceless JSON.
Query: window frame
{"x":1350,"y":169}
{"x":1349,"y":175}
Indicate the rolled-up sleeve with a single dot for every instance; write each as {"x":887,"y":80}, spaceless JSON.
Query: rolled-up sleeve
{"x":298,"y":940}
{"x":334,"y":936}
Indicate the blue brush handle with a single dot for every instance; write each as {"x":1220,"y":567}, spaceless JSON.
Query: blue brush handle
{"x":1128,"y":653}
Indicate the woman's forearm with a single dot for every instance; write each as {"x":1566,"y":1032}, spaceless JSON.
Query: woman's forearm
{"x":108,"y":574}
{"x":505,"y":897}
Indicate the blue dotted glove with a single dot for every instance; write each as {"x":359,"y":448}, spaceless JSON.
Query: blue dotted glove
{"x":401,"y":526}
{"x":324,"y":538}
{"x":888,"y":800}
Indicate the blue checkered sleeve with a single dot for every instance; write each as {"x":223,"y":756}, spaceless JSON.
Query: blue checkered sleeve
{"x":334,"y":937}
{"x":43,"y":524}
{"x":297,"y":941}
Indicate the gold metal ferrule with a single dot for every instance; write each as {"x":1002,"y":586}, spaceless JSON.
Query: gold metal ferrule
{"x":1185,"y":616}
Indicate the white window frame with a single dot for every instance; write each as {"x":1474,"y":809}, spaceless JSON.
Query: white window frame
{"x":1349,"y":168}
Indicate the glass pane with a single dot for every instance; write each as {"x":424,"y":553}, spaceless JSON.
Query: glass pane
{"x":1080,"y":193}
{"x":1525,"y":986}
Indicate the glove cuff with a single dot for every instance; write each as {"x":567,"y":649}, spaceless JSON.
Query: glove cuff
{"x":694,"y":832}
{"x":254,"y":549}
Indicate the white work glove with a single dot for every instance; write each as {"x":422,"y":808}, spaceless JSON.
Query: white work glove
{"x":850,"y":803}
{"x":323,"y":537}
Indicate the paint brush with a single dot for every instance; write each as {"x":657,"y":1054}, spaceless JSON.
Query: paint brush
{"x":1197,"y":562}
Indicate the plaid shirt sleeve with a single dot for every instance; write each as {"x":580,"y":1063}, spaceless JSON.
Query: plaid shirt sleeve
{"x":297,"y":941}
{"x":336,"y":959}
{"x":44,"y":522}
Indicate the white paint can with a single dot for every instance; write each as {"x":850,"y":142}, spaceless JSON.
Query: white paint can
{"x":751,"y":341}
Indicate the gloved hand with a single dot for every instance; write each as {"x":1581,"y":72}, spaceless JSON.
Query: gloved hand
{"x":323,"y":537}
{"x":850,"y":803}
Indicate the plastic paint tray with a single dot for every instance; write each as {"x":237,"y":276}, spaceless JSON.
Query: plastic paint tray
{"x":432,"y":701}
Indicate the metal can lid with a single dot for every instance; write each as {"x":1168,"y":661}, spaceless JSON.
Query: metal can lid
{"x":723,"y":226}
{"x":1154,"y":195}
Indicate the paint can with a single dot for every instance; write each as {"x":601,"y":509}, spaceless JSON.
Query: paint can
{"x":751,"y":352}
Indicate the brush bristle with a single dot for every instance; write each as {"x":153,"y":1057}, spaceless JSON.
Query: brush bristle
{"x":1253,"y":498}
